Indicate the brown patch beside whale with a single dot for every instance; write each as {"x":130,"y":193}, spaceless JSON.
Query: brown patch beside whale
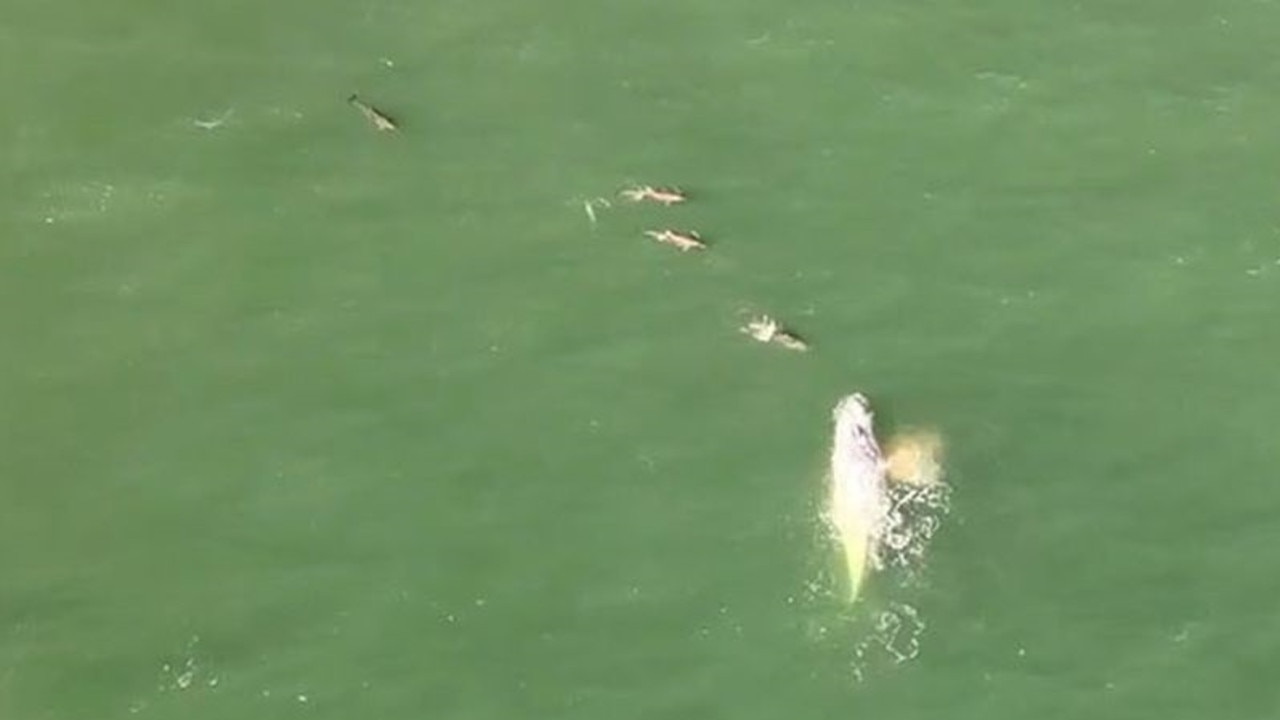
{"x":914,"y":457}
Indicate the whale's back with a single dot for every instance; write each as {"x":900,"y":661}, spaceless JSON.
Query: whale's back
{"x":859,"y":500}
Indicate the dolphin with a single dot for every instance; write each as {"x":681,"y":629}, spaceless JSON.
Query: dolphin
{"x":767,"y":330}
{"x":682,"y":241}
{"x":666,"y":196}
{"x":380,"y":120}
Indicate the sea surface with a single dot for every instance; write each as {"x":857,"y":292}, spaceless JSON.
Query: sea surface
{"x":303,"y":420}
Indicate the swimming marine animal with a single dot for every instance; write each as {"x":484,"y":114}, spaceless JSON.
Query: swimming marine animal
{"x":767,"y":330}
{"x":860,"y":505}
{"x":682,"y":241}
{"x":380,"y":120}
{"x":665,"y":196}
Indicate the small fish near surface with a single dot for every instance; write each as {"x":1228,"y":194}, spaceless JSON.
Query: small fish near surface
{"x":665,"y":196}
{"x":380,"y":120}
{"x":682,"y":241}
{"x":767,"y":330}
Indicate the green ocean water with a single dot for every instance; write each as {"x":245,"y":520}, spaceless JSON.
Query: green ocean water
{"x":298,"y":420}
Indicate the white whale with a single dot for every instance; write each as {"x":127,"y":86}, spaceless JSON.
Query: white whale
{"x":860,"y":503}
